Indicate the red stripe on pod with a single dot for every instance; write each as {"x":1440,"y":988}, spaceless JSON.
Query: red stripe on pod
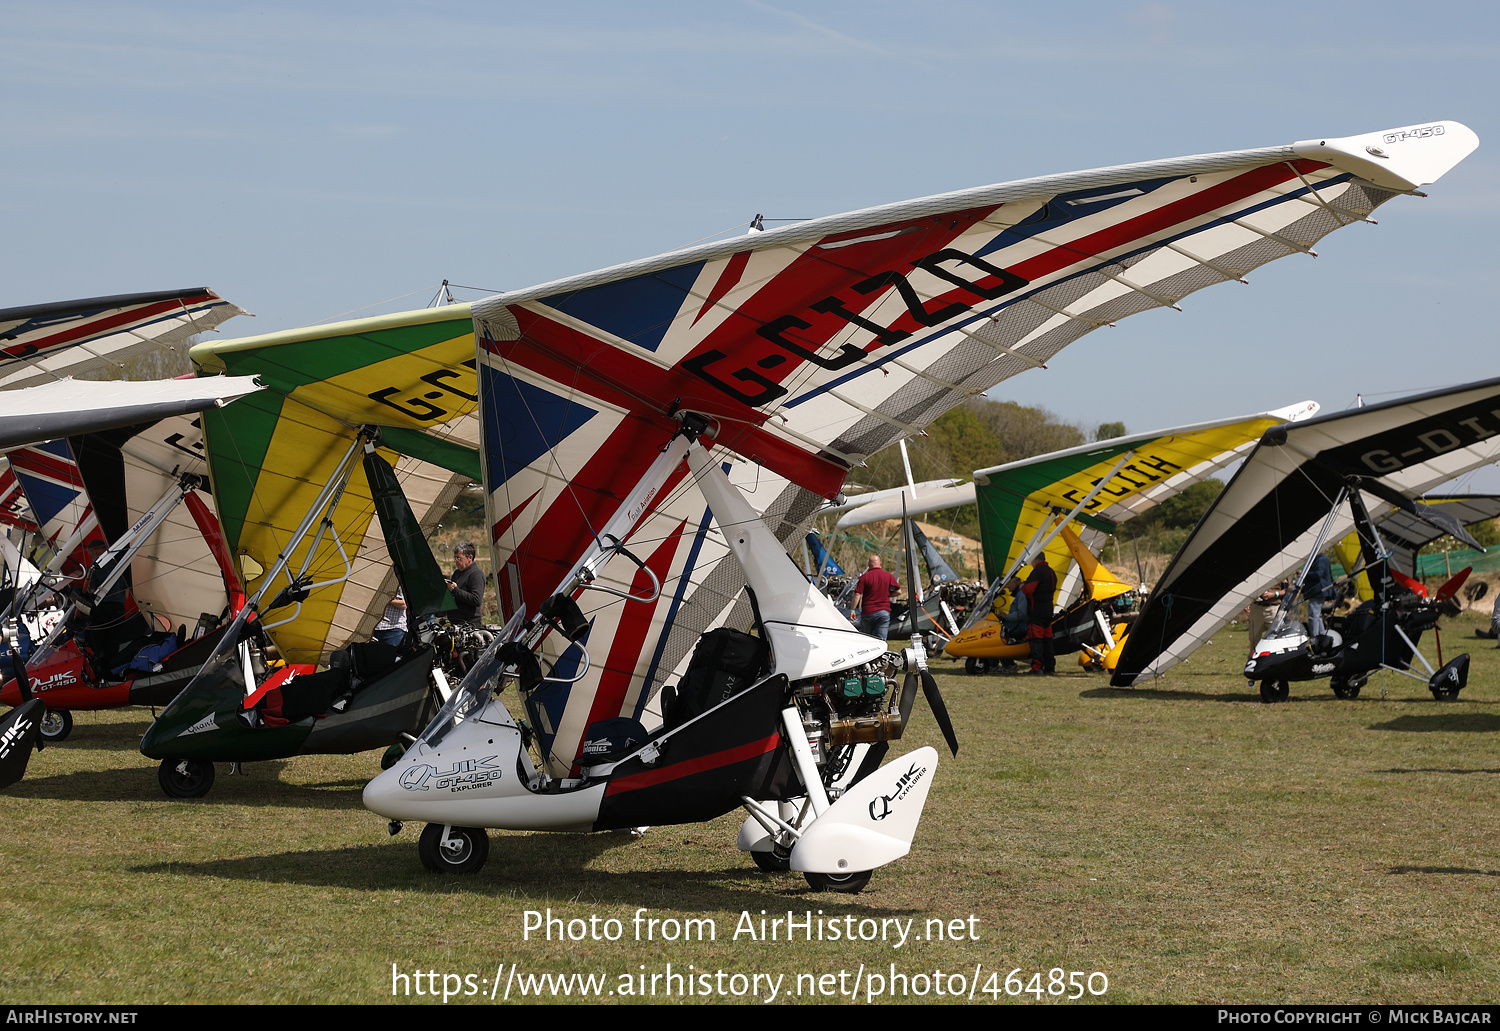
{"x":688,"y":767}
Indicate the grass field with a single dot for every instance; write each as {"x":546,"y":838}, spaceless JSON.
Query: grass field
{"x":1186,"y":841}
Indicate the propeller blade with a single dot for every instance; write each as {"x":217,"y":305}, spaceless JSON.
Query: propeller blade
{"x":1450,"y":588}
{"x":908,"y":697}
{"x":939,"y":710}
{"x":872,"y":761}
{"x":23,"y":682}
{"x":908,"y":546}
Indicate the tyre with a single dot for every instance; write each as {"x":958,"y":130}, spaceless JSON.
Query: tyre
{"x":57,"y":724}
{"x":1344,"y":687}
{"x":467,"y":849}
{"x":185,"y":778}
{"x":770,"y":862}
{"x":845,"y":883}
{"x":1274,"y":691}
{"x":976,"y":667}
{"x":1445,"y":694}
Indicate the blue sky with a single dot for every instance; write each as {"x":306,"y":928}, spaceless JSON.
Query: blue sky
{"x":315,"y":160}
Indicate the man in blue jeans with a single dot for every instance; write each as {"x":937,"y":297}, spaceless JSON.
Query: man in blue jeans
{"x":872,"y":599}
{"x":1317,"y":588}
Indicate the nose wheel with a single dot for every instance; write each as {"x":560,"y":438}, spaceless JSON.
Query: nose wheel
{"x":462,"y":850}
{"x":185,"y":778}
{"x":844,"y":883}
{"x":1274,"y":691}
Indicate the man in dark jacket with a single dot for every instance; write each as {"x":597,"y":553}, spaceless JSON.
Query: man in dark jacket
{"x":1041,"y":591}
{"x":1318,"y":589}
{"x":467,"y":585}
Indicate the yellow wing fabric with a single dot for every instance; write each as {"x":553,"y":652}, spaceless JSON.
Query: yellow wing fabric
{"x":1133,"y":473}
{"x":411,"y":375}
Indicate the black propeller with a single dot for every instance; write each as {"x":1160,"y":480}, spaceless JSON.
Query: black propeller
{"x":917,"y":671}
{"x":20,"y":729}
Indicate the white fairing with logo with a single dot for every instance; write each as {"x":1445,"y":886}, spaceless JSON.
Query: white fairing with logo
{"x":873,"y":823}
{"x":473,"y":778}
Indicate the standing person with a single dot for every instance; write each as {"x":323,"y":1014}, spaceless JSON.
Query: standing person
{"x":1014,"y":623}
{"x":1318,"y":590}
{"x":391,"y":629}
{"x":467,"y":585}
{"x":1495,"y":619}
{"x":1040,"y":591}
{"x":872,"y":599}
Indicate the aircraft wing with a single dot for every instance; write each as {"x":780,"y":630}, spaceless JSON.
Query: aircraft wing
{"x":1264,"y":524}
{"x":50,"y":411}
{"x":1017,"y":498}
{"x":53,"y":484}
{"x":40,"y":343}
{"x":270,"y":454}
{"x":812,"y":346}
{"x":1406,"y":535}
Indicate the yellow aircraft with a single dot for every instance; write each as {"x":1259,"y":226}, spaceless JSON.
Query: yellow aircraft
{"x":1068,"y":503}
{"x":1082,"y":626}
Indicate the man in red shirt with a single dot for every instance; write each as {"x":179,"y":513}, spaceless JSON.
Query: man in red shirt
{"x":872,"y":599}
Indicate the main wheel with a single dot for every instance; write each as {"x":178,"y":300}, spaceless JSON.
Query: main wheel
{"x":1274,"y":691}
{"x":1445,"y":694}
{"x":846,"y":883}
{"x":770,"y":862}
{"x":974,"y":667}
{"x":1343,"y":687}
{"x":465,"y":852}
{"x":57,"y":724}
{"x":185,"y":778}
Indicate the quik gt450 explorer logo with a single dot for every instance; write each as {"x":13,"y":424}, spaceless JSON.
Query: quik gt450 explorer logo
{"x":880,"y":807}
{"x":66,"y":678}
{"x":464,"y":775}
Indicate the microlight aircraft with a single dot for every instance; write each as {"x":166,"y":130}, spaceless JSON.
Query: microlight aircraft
{"x":41,"y":348}
{"x":143,"y":488}
{"x":613,"y":402}
{"x":1307,"y":484}
{"x":327,"y":485}
{"x":1068,"y":504}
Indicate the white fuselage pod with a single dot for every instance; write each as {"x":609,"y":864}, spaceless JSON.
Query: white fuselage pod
{"x":478,"y":775}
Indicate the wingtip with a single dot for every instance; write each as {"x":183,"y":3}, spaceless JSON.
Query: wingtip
{"x":1403,"y":158}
